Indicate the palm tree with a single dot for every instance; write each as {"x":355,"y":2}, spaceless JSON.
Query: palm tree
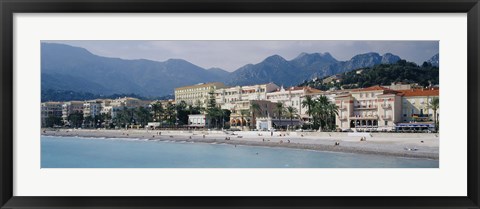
{"x":106,"y":117}
{"x":255,"y":108}
{"x":291,"y":113}
{"x":308,"y":103}
{"x":142,"y":115}
{"x":434,"y":104}
{"x":332,"y":110}
{"x":88,"y":120}
{"x":280,"y":109}
{"x":320,"y":110}
{"x":170,"y":115}
{"x":243,"y":114}
{"x":157,"y":109}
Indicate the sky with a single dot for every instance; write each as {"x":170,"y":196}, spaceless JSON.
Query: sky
{"x":231,"y":55}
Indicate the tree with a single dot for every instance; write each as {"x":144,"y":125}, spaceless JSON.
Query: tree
{"x":320,"y":111}
{"x":124,"y":117}
{"x":434,"y":104}
{"x":52,"y":121}
{"x":213,"y":111}
{"x":291,"y":113}
{"x":279,"y":109}
{"x":243,"y":114}
{"x":170,"y":114}
{"x":182,"y":112}
{"x":107,"y":118}
{"x":225,"y":116}
{"x":255,"y":108}
{"x":142,"y":115}
{"x":198,"y":104}
{"x":332,"y":111}
{"x":88,"y":121}
{"x":75,"y":119}
{"x":157,"y":110}
{"x":308,"y":103}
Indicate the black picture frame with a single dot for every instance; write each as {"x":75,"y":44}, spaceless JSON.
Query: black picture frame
{"x":10,"y":7}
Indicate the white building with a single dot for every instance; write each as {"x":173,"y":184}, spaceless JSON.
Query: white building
{"x":91,"y":108}
{"x":71,"y":107}
{"x":50,"y":109}
{"x":372,"y":108}
{"x":293,"y":97}
{"x":199,"y":120}
{"x":227,"y":97}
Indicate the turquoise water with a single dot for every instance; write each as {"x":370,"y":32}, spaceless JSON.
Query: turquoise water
{"x":73,"y":152}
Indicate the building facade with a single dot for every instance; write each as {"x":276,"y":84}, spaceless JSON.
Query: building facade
{"x":50,"y":109}
{"x":248,"y":118}
{"x":227,"y":97}
{"x":91,"y":108}
{"x":70,"y":108}
{"x":197,"y":120}
{"x":374,"y":108}
{"x":197,"y":95}
{"x":294,"y":97}
{"x":416,"y":106}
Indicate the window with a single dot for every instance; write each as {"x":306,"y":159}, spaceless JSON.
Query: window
{"x":386,"y":123}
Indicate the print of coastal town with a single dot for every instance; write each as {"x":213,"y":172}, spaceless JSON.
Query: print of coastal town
{"x":240,"y":104}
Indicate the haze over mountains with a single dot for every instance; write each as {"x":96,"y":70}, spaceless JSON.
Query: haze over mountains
{"x":64,"y":67}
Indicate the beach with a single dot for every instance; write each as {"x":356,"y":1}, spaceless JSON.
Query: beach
{"x":411,"y":145}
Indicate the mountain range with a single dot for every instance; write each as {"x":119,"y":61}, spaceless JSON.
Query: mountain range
{"x":65,"y":67}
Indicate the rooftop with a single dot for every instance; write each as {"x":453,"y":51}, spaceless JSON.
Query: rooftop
{"x":218,"y":84}
{"x":420,"y":92}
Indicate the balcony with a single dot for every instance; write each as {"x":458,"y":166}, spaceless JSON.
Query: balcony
{"x":386,"y":117}
{"x":386,"y":106}
{"x":366,"y":107}
{"x":367,"y":117}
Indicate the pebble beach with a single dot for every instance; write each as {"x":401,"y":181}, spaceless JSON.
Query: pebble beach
{"x":411,"y":145}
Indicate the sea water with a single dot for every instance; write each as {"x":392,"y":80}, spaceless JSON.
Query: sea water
{"x":77,"y":152}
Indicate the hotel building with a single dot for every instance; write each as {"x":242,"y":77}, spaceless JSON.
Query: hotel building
{"x":91,"y":108}
{"x":373,"y":108}
{"x":126,"y":102}
{"x":293,"y":97}
{"x":415,"y":105}
{"x":71,"y":107}
{"x":197,"y":94}
{"x":50,"y":109}
{"x":227,"y":98}
{"x":266,"y":109}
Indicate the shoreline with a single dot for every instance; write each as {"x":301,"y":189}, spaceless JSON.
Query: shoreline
{"x":426,"y":146}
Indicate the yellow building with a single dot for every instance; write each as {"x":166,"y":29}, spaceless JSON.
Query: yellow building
{"x":196,"y":95}
{"x":373,"y":108}
{"x":415,"y":105}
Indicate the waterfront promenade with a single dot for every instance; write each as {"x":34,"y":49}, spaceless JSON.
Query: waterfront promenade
{"x":412,"y":145}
